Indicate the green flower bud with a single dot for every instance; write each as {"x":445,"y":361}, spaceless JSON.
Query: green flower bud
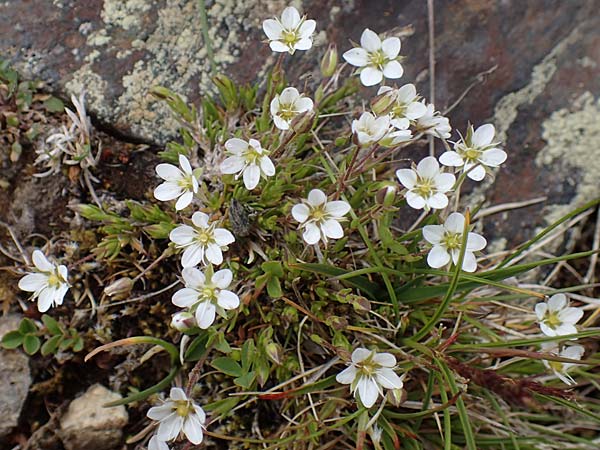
{"x":329,"y":61}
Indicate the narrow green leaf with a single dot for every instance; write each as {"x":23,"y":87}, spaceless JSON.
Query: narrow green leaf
{"x":51,"y":345}
{"x":228,"y":366}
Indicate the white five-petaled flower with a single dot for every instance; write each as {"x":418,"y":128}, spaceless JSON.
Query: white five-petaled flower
{"x":286,"y":106}
{"x":291,"y":33}
{"x":556,"y":317}
{"x":475,"y":152}
{"x":376,"y":59}
{"x":249,"y":159}
{"x":180,"y":183}
{"x":559,"y":368}
{"x":433,"y":123}
{"x":447,"y":241}
{"x":176,"y":415}
{"x":156,"y":444}
{"x":48,"y":283}
{"x":205,"y":294}
{"x":368,"y":129}
{"x":427,"y":185}
{"x":405,"y":107}
{"x":368,"y":373}
{"x":203,"y":242}
{"x":320,"y":218}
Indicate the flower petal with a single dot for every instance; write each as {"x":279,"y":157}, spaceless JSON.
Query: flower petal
{"x":307,"y":28}
{"x":214,"y":254}
{"x":166,"y":191}
{"x":444,"y":182}
{"x":347,"y":375}
{"x":370,"y":76}
{"x":266,"y":166}
{"x":407,"y":177}
{"x":272,"y":29}
{"x":156,"y":444}
{"x":33,"y":282}
{"x":192,"y":256}
{"x":223,"y":237}
{"x":393,"y":69}
{"x":388,"y":379}
{"x":222,"y":278}
{"x":357,"y":57}
{"x":316,"y":197}
{"x":493,"y":157}
{"x":193,"y":278}
{"x":391,"y":47}
{"x":360,"y":354}
{"x":367,"y":391}
{"x":290,"y":18}
{"x":177,"y":394}
{"x":438,"y":257}
{"x":557,"y":302}
{"x":433,"y":233}
{"x":477,"y":173}
{"x":233,"y":164}
{"x":186,"y":297}
{"x":184,"y":163}
{"x":205,"y":314}
{"x":385,"y":359}
{"x":41,"y":262}
{"x":200,"y":219}
{"x":228,"y":300}
{"x":311,"y":234}
{"x":184,"y":201}
{"x":251,"y":176}
{"x":437,"y":201}
{"x":469,"y":262}
{"x":455,"y":223}
{"x":332,"y":229}
{"x":182,"y":235}
{"x":415,"y":200}
{"x":428,"y":167}
{"x":570,"y":315}
{"x":475,"y":242}
{"x":168,"y":172}
{"x":540,"y":310}
{"x":300,"y":212}
{"x":169,"y":427}
{"x":46,"y":299}
{"x":337,"y":208}
{"x":452,"y":159}
{"x":192,"y":428}
{"x":483,"y":135}
{"x":160,"y":412}
{"x":369,"y":40}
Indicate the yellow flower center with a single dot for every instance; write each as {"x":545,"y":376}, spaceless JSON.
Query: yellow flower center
{"x":557,"y":366}
{"x":399,"y":110}
{"x":204,"y":237}
{"x":186,"y":183}
{"x":208,"y":293}
{"x":54,"y":280}
{"x":552,"y":320}
{"x":290,"y":37}
{"x":183,"y":407}
{"x":425,"y":187}
{"x":286,"y":111}
{"x":252,"y":155}
{"x":452,"y":241}
{"x":377,"y":58}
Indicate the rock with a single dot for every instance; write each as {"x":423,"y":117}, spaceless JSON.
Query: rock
{"x":542,"y":95}
{"x":89,"y":425}
{"x":15,"y":378}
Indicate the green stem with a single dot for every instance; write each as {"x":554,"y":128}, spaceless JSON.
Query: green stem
{"x":206,"y":37}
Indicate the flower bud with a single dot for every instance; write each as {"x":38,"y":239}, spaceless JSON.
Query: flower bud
{"x":386,"y":196}
{"x":384,"y":102}
{"x":120,"y":288}
{"x":329,"y":61}
{"x":303,"y":122}
{"x":396,"y":396}
{"x":274,"y":352}
{"x":183,"y":321}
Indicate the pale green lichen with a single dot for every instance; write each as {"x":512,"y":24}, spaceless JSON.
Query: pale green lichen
{"x":507,"y":108}
{"x":572,"y":151}
{"x":124,"y":13}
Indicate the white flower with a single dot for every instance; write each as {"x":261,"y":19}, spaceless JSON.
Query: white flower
{"x":447,"y":240}
{"x":291,"y":33}
{"x":560,"y":369}
{"x":287,"y":105}
{"x":156,"y":444}
{"x":320,"y":218}
{"x":203,"y":242}
{"x":377,"y":59}
{"x":406,"y":106}
{"x":249,"y":159}
{"x":368,"y":129}
{"x":176,"y":415}
{"x":206,"y":294}
{"x":368,"y":374}
{"x":475,"y":152}
{"x":427,"y":185}
{"x":556,"y":317}
{"x":48,"y":283}
{"x":433,"y":123}
{"x":179,"y":183}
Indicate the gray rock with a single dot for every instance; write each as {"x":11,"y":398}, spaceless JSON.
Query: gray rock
{"x":15,"y":378}
{"x":87,"y":424}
